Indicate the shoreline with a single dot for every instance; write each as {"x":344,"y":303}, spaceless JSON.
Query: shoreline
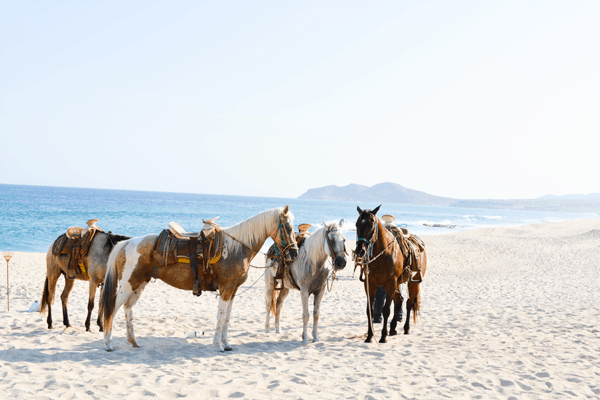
{"x":506,"y":312}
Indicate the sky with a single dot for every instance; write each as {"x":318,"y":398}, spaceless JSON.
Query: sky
{"x":464,"y":99}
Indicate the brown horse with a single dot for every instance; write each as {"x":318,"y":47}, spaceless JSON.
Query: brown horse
{"x":95,"y":262}
{"x":383,"y":264}
{"x":134,"y":262}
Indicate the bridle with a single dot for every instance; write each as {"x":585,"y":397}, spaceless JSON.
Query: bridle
{"x":285,"y":239}
{"x":332,"y":252}
{"x":333,"y":255}
{"x":368,"y":258}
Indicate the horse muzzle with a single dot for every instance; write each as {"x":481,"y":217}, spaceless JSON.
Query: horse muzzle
{"x":291,"y":255}
{"x":360,"y":253}
{"x":339,"y":263}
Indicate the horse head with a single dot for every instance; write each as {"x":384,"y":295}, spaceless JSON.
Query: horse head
{"x":336,"y":243}
{"x":283,"y":236}
{"x":366,"y":231}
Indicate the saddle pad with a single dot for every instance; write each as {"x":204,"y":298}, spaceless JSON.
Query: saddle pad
{"x":59,"y":243}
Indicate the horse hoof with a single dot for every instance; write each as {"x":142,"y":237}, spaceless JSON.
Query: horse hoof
{"x":383,"y":340}
{"x":228,"y":348}
{"x":406,"y":332}
{"x":109,"y":347}
{"x":368,"y":340}
{"x":393,"y":333}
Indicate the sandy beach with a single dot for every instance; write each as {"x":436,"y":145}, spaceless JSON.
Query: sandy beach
{"x":507,"y":313}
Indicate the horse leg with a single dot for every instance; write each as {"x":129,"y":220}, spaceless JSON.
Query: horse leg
{"x":389,"y":293}
{"x":221,"y":315}
{"x":129,"y":303}
{"x":269,"y":294}
{"x":371,"y":292}
{"x":316,"y":310}
{"x":224,"y":339}
{"x":122,"y":296}
{"x":378,"y":305}
{"x":397,"y":312}
{"x":283,"y":293}
{"x":412,"y":302}
{"x":305,"y":315}
{"x":91,"y":298}
{"x":64,"y":298}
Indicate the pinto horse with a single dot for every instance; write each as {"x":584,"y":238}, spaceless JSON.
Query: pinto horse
{"x":95,"y":262}
{"x":134,"y":262}
{"x":307,"y":274}
{"x":382,"y":262}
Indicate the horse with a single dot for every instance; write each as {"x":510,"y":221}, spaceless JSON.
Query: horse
{"x":95,"y":261}
{"x":382,"y":262}
{"x":307,"y":274}
{"x":134,"y":262}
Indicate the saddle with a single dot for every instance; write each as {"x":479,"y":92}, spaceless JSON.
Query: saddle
{"x":282,"y":269}
{"x":75,"y":243}
{"x":411,"y":246}
{"x":204,"y":248}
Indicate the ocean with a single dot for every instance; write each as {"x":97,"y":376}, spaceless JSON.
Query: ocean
{"x":32,"y":217}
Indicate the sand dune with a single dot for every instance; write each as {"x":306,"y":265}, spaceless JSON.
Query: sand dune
{"x":506,"y":313}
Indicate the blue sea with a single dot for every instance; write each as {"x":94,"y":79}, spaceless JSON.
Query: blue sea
{"x":32,"y":217}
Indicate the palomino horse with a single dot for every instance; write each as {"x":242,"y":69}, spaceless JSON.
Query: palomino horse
{"x":382,"y":262}
{"x":95,"y":260}
{"x":134,"y":262}
{"x":308,"y":274}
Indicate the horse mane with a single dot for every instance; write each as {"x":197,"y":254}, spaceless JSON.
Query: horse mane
{"x":312,"y":248}
{"x":113,"y":239}
{"x":251,"y":231}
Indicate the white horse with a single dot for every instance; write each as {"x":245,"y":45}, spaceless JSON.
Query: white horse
{"x":134,"y":262}
{"x":308,"y":274}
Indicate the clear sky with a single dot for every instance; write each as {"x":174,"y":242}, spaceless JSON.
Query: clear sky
{"x":465,"y":99}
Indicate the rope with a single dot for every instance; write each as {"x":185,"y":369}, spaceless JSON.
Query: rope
{"x":263,"y":274}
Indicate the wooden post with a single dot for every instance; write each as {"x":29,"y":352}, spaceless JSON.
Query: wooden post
{"x":7,"y":256}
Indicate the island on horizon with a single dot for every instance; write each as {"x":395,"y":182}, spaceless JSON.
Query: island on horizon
{"x":388,"y":192}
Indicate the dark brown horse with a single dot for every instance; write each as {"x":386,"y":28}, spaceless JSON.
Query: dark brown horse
{"x":383,"y":264}
{"x":95,"y":270}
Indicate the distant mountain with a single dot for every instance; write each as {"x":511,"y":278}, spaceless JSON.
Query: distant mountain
{"x":393,"y":193}
{"x":383,"y":192}
{"x":551,"y":197}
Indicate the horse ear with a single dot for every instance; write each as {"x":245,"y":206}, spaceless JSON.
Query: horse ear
{"x":375,"y":210}
{"x":341,"y":223}
{"x":359,"y":210}
{"x":286,"y":209}
{"x":325,"y":224}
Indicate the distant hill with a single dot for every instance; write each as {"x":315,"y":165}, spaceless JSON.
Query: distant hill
{"x":393,"y":193}
{"x":551,"y":197}
{"x":384,"y":192}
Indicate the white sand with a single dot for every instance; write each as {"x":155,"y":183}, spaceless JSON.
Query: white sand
{"x":507,"y":313}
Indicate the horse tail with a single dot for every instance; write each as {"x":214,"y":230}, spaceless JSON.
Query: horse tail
{"x":109,"y":292}
{"x":45,"y":297}
{"x":417,"y":308}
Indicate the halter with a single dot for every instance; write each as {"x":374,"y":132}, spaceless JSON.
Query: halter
{"x":333,"y":257}
{"x":371,"y":242}
{"x":333,"y":254}
{"x":285,"y":238}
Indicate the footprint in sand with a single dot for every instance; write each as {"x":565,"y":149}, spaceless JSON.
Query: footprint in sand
{"x":477,"y":384}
